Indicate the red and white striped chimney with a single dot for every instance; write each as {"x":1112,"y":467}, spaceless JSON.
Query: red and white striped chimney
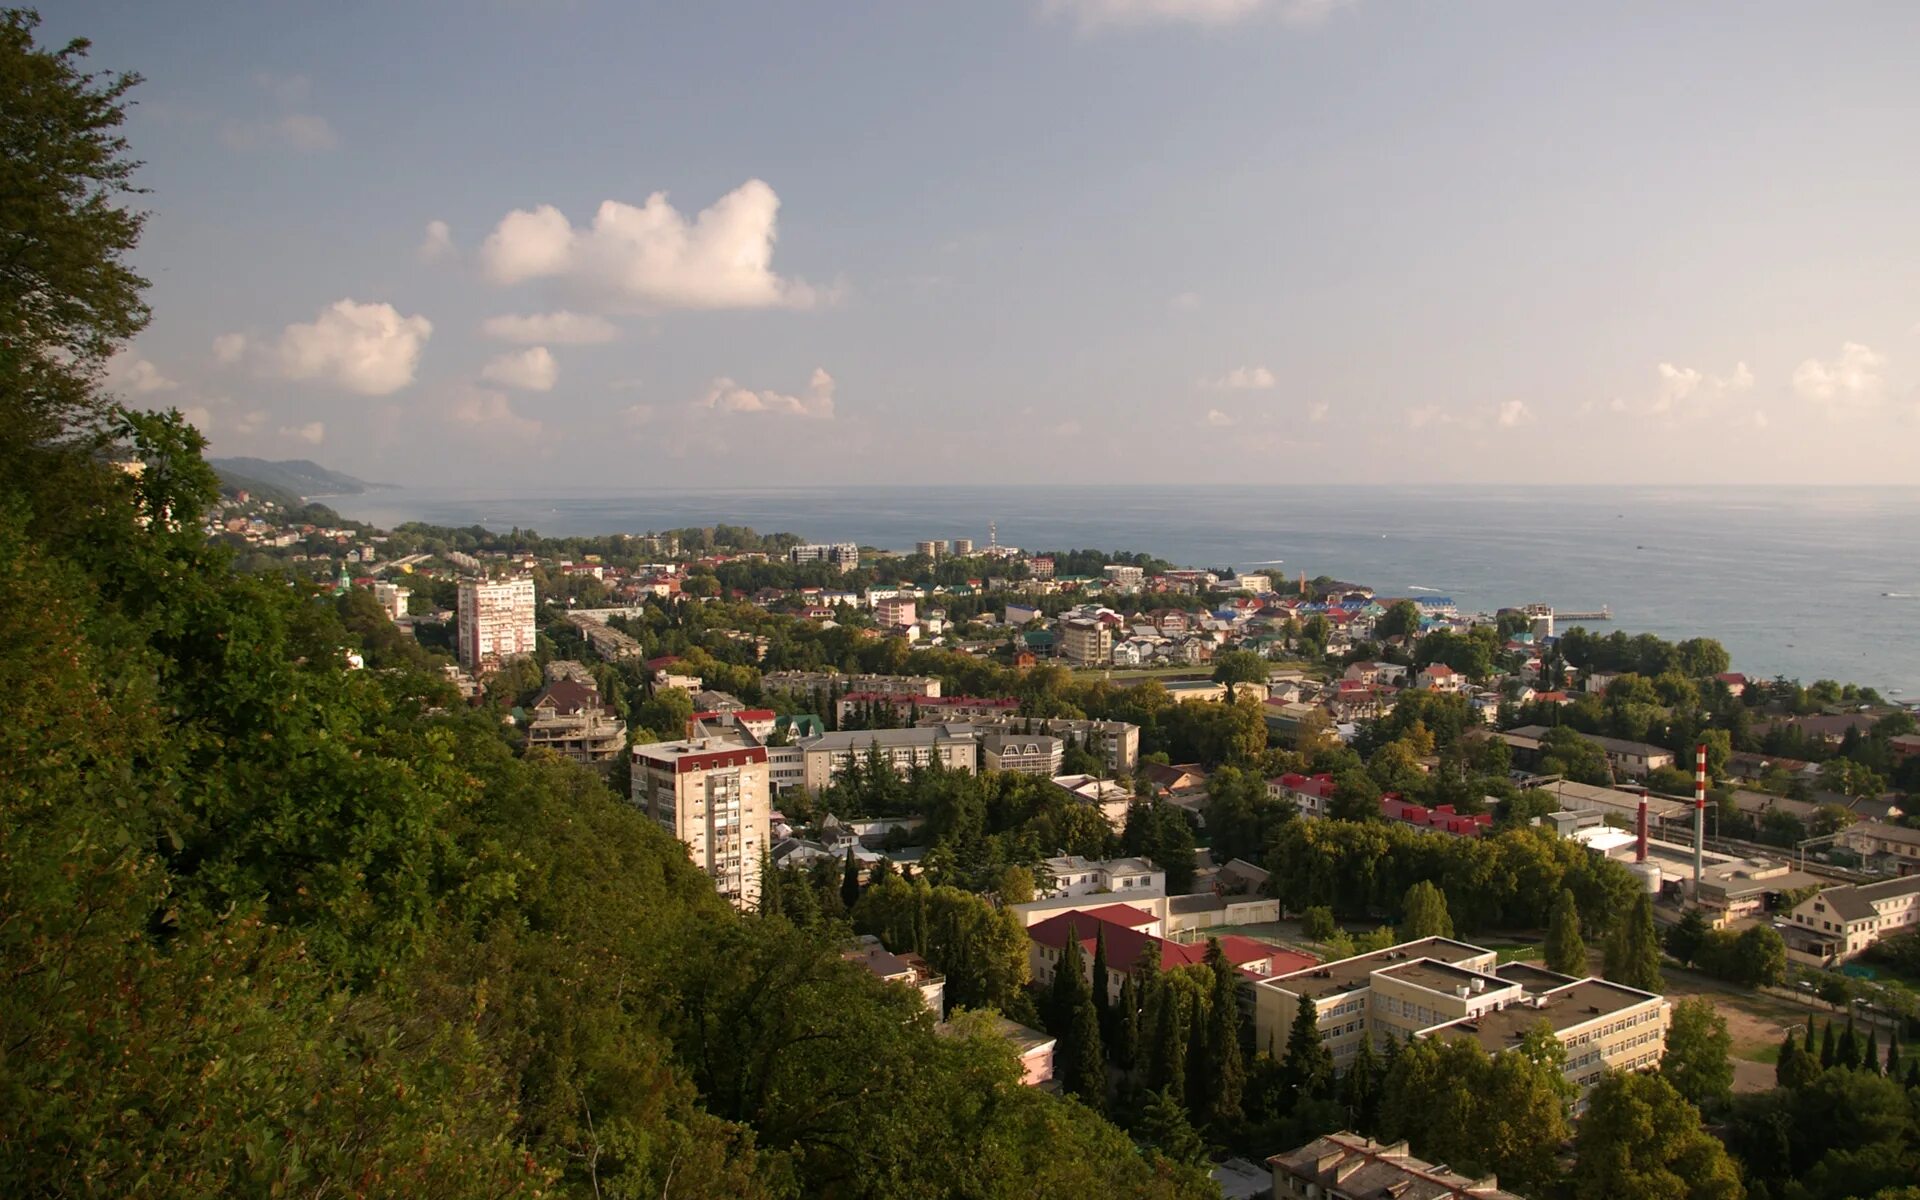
{"x":1699,"y":814}
{"x":1640,"y":832}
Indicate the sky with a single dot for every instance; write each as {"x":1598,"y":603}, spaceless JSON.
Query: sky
{"x":600,"y":242}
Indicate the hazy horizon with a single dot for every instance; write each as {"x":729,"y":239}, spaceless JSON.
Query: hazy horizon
{"x":541,"y":244}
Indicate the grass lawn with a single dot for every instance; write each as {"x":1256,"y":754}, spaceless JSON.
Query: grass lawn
{"x":1769,"y":1054}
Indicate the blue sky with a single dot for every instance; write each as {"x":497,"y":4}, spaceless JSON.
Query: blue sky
{"x":1032,"y":240}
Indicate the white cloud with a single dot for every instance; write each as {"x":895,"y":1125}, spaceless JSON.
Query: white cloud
{"x":1512,"y":413}
{"x":366,"y":348}
{"x":530,"y":370}
{"x":313,"y":432}
{"x":198,"y":416}
{"x":1099,"y":14}
{"x":727,"y":396}
{"x":1218,"y":419}
{"x":1243,"y":379}
{"x":1185,"y":302}
{"x":651,"y":257}
{"x":560,"y":328}
{"x":437,"y":243}
{"x":1681,"y":385}
{"x":1851,"y":378}
{"x":290,"y":90}
{"x":491,"y":413}
{"x":1318,"y":413}
{"x":249,"y":422}
{"x":1429,"y":415}
{"x":305,"y":132}
{"x":136,"y":376}
{"x":229,"y":348}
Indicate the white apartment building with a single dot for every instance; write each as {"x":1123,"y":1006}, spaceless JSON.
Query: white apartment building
{"x":843,"y":556}
{"x":496,"y":622}
{"x":828,"y":755}
{"x":1077,"y":876}
{"x":1127,"y":579}
{"x":804,"y":683}
{"x":1086,"y":643}
{"x":1438,"y":987}
{"x":711,"y":793}
{"x":392,"y":598}
{"x":1118,"y":742}
{"x":1842,"y":921}
{"x":1026,"y":754}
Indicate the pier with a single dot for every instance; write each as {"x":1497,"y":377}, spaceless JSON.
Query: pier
{"x":1603,"y":613}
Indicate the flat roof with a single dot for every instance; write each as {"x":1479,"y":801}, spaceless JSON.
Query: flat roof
{"x":1563,"y":1007}
{"x":1534,"y":979}
{"x":1442,"y":977}
{"x":1347,"y":974}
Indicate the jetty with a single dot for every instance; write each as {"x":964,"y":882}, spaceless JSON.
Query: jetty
{"x":1603,"y":613}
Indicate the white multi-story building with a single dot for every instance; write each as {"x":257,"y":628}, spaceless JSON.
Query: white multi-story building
{"x":844,"y":556}
{"x":392,"y":598}
{"x":1127,"y":579}
{"x":1086,"y":642}
{"x":1437,"y":987}
{"x":1077,"y":876}
{"x":711,"y":793}
{"x":953,"y":746}
{"x":1023,"y":753}
{"x":1842,"y":921}
{"x":496,"y":622}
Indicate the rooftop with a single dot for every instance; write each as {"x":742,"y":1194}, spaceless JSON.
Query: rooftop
{"x":919,"y":735}
{"x":1360,"y":1166}
{"x":1564,"y":1007}
{"x":1438,"y":976}
{"x":1347,"y":974}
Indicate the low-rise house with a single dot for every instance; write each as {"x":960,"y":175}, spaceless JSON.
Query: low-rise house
{"x":1311,"y":794}
{"x":568,"y":719}
{"x":1349,"y":1166}
{"x":1108,"y":796}
{"x":1441,"y":817}
{"x":1842,"y":921}
{"x":1077,"y":876}
{"x":907,"y":969}
{"x":1125,"y":933}
{"x":1886,"y":846}
{"x":1439,"y":677}
{"x":1034,"y":1048}
{"x":1183,"y":779}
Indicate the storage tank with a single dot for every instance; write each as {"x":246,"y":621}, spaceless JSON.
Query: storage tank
{"x":1648,"y":873}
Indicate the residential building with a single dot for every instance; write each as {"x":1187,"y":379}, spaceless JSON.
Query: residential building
{"x":1125,"y":578}
{"x":1022,"y":753}
{"x":1438,"y":987}
{"x":495,"y":622}
{"x":1111,"y":797}
{"x":392,"y":598}
{"x":1348,"y":1166}
{"x":1311,"y":794}
{"x":907,"y":969}
{"x":807,"y":682}
{"x":712,"y":794}
{"x":1128,"y":931}
{"x":1034,"y":1047}
{"x":1077,"y":876}
{"x":1634,"y":759}
{"x":1842,"y":921}
{"x":1041,"y":566}
{"x":568,"y":719}
{"x":954,"y":746}
{"x":842,"y":556}
{"x":1086,"y":643}
{"x":1440,"y":817}
{"x":894,"y":612}
{"x":930,"y":549}
{"x":1890,"y":847}
{"x":1117,"y":743}
{"x":926,"y":710}
{"x":962,"y":547}
{"x":1439,"y":677}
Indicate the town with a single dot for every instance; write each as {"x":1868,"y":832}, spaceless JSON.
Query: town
{"x":1249,"y":862}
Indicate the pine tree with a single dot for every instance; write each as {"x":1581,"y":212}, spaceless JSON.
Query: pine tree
{"x":1826,"y":1045}
{"x":1309,"y":1067}
{"x":1633,"y":952}
{"x":1164,"y":1126}
{"x":1426,"y":915}
{"x":1566,"y":953}
{"x":1870,"y":1057}
{"x":1126,"y":1026}
{"x":850,"y":882}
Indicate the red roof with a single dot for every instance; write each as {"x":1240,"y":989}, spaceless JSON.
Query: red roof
{"x":663,"y":662}
{"x":1320,"y":785}
{"x":1125,"y":943}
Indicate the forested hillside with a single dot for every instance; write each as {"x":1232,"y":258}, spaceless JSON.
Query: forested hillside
{"x":272,"y":926}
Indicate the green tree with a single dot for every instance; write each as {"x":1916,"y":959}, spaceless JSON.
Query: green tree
{"x":1633,"y":952}
{"x":1360,"y":1086}
{"x":1317,"y":924}
{"x":1165,"y":1127}
{"x":1082,"y":1064}
{"x":1640,"y":1138}
{"x":1688,"y":935}
{"x":1697,"y":1061}
{"x":1016,"y":885}
{"x":1226,"y":1069}
{"x":1308,"y":1065}
{"x":1234,"y":667}
{"x":1795,"y":1068}
{"x":850,"y":882}
{"x":1102,"y":1004}
{"x":1425,"y":913}
{"x":1565,"y":951}
{"x":1126,"y":1025}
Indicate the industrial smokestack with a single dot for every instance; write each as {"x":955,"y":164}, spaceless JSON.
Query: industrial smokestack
{"x":1640,"y":832}
{"x":1699,"y":814}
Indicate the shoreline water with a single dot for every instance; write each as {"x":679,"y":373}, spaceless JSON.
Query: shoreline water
{"x":1804,"y":582}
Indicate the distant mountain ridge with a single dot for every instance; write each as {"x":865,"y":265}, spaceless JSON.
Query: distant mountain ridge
{"x":297,"y":477}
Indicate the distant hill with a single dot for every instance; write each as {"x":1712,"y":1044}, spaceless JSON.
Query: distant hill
{"x":296,"y":477}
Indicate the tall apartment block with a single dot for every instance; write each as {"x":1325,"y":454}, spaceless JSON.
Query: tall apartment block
{"x":710,"y":792}
{"x":496,"y":621}
{"x":844,"y":556}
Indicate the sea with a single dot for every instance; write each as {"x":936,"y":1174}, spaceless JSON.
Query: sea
{"x":1809,"y":583}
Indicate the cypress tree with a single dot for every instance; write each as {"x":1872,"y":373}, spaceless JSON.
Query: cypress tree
{"x":1566,"y":953}
{"x":1893,"y":1054}
{"x":1360,"y":1086}
{"x":850,"y":882}
{"x":1101,"y":1005}
{"x":1811,"y":1043}
{"x":1083,"y":1064}
{"x":1633,"y":952}
{"x":1783,"y":1066}
{"x":1309,"y":1067}
{"x":1199,"y":1064}
{"x":770,"y":897}
{"x":1870,"y":1057}
{"x":1913,"y":1073}
{"x":1847,"y":1052}
{"x":1225,"y":1063}
{"x":1169,"y":1060}
{"x":1826,"y":1045}
{"x":1126,"y":1026}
